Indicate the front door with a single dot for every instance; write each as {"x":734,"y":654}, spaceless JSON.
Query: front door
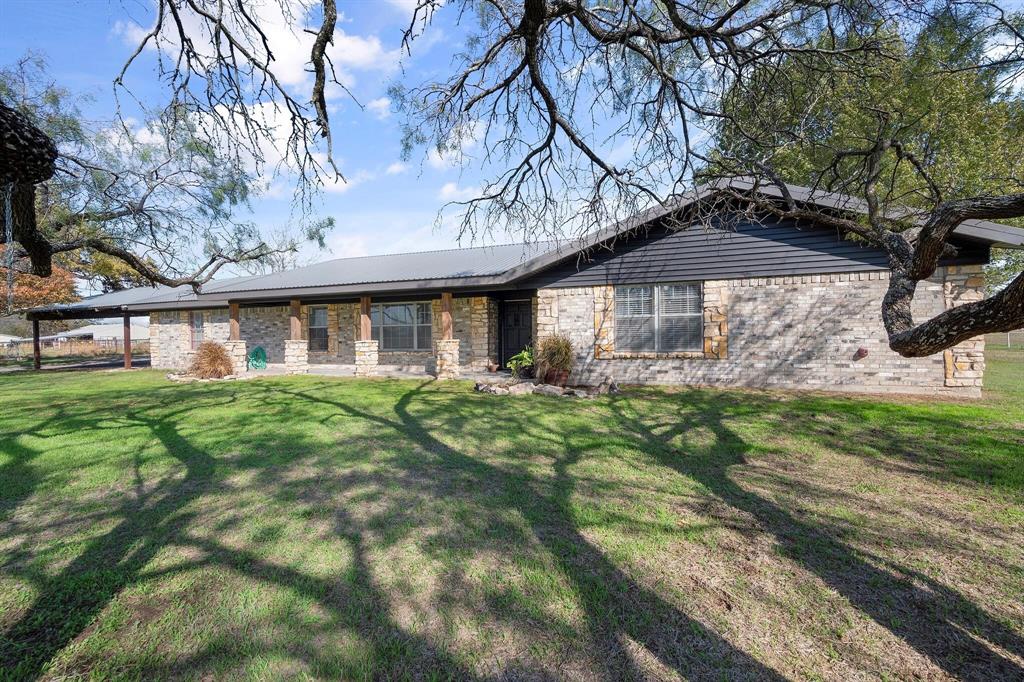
{"x":516,"y":328}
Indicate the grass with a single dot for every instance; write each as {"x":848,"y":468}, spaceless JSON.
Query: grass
{"x":383,"y":529}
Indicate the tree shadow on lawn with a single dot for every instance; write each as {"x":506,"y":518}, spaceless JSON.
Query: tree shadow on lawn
{"x":68,"y":602}
{"x":934,"y":619}
{"x":617,"y":608}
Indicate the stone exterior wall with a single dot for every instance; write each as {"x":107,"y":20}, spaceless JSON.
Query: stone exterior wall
{"x":170,"y":337}
{"x":447,"y":353}
{"x":475,"y":325}
{"x":792,"y":332}
{"x":266,"y":327}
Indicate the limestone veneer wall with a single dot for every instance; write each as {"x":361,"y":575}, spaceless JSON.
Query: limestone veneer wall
{"x":170,"y":338}
{"x":792,"y":332}
{"x":475,"y":325}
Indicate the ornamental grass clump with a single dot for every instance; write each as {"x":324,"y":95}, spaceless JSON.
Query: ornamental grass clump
{"x":555,"y":359}
{"x":211,"y":361}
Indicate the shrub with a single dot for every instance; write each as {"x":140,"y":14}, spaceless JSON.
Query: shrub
{"x":555,"y":352}
{"x":211,"y":361}
{"x":521,"y":363}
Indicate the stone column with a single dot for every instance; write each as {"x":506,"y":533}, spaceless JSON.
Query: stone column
{"x":296,"y":356}
{"x":366,"y":358}
{"x":447,"y":358}
{"x":964,"y":362}
{"x":237,"y":351}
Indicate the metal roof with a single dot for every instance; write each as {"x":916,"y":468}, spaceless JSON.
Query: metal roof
{"x":447,"y":264}
{"x":465,"y":269}
{"x":98,"y":332}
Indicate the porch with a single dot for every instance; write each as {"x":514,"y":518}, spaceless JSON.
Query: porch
{"x":444,"y":335}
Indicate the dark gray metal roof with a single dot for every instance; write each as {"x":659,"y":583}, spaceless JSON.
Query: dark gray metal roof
{"x":141,"y":298}
{"x":448,"y":264}
{"x":465,"y":269}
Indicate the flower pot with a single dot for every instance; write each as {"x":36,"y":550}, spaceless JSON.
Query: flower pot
{"x":556,"y":377}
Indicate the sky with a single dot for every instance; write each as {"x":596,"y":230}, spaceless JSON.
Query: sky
{"x":388,"y":206}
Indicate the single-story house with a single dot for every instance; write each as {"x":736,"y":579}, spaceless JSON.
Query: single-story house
{"x":655,"y":299}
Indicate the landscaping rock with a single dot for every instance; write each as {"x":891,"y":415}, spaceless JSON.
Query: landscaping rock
{"x":607,"y":386}
{"x":580,"y":393}
{"x":521,"y":388}
{"x":548,"y":389}
{"x":499,"y":390}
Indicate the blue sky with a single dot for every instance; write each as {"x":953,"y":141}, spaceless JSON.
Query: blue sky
{"x":387,"y":207}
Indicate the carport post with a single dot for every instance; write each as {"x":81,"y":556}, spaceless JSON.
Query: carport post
{"x":127,"y":341}
{"x":36,"y":359}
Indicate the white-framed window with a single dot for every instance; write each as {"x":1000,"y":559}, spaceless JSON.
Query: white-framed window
{"x":318,"y":328}
{"x":659,"y":318}
{"x":195,"y":327}
{"x":401,"y":326}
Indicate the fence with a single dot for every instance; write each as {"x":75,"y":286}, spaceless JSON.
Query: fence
{"x":72,"y":348}
{"x":1009,"y":340}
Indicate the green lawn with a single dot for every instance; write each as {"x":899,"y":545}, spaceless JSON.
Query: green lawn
{"x":333,"y":528}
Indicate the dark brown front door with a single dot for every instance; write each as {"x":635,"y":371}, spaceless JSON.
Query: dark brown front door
{"x":516,"y":328}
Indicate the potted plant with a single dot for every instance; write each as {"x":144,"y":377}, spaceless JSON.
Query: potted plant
{"x":556,"y":356}
{"x":521,"y":363}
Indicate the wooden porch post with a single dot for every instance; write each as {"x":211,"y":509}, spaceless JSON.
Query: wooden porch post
{"x":365,"y":330}
{"x":127,"y":341}
{"x":446,"y":315}
{"x":296,"y":320}
{"x":36,"y":353}
{"x":234,"y":328}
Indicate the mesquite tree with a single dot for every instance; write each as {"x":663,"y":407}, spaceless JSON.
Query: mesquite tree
{"x":598,"y":110}
{"x":122,"y":205}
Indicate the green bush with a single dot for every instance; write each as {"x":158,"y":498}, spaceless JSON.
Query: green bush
{"x":521,"y":363}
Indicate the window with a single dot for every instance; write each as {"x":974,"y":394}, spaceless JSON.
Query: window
{"x":663,"y":319}
{"x":195,"y":326}
{"x":318,"y":329}
{"x":401,"y":326}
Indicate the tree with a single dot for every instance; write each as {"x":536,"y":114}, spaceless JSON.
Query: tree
{"x":959,"y":118}
{"x":550,"y":87}
{"x":130,"y":202}
{"x":29,"y":291}
{"x":595,"y":110}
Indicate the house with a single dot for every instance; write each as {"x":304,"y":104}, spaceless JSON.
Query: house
{"x":651,"y":300}
{"x":102,"y":334}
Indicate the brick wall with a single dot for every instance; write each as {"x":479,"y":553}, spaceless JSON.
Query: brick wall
{"x":266,"y":327}
{"x":170,"y":338}
{"x":474,"y":320}
{"x":795,"y":332}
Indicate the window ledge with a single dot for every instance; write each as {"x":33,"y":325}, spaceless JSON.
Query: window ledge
{"x":680,"y":355}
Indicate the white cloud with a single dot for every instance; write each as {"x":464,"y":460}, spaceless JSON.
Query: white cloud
{"x":337,"y":186}
{"x":380,"y":107}
{"x":283,"y":23}
{"x":397,"y":168}
{"x":348,"y":245}
{"x":450,"y":191}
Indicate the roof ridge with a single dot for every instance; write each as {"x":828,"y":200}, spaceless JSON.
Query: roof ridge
{"x":448,"y":250}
